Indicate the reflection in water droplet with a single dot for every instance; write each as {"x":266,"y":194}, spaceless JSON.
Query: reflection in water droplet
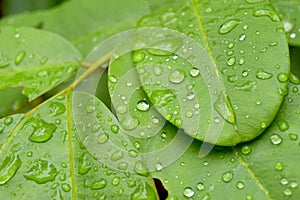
{"x":227,"y":176}
{"x":275,"y":139}
{"x":41,"y":171}
{"x":242,"y":37}
{"x":284,"y":181}
{"x":228,"y":26}
{"x":231,"y":61}
{"x":188,"y":192}
{"x":158,"y":166}
{"x":176,"y":76}
{"x":142,"y":105}
{"x":246,"y":150}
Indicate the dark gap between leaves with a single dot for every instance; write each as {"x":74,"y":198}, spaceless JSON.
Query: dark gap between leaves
{"x":161,"y":190}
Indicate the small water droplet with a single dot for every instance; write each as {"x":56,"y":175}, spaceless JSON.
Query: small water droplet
{"x":8,"y":121}
{"x":130,"y":123}
{"x":231,"y":61}
{"x":246,"y":150}
{"x":112,"y":79}
{"x":224,"y":107}
{"x":157,"y":70}
{"x":242,"y":37}
{"x":282,"y":77}
{"x":66,"y":187}
{"x":190,"y":95}
{"x":284,"y":181}
{"x":275,"y":139}
{"x":227,"y":176}
{"x":294,"y":184}
{"x":283,"y":125}
{"x":20,"y":56}
{"x":279,"y":166}
{"x":288,"y":192}
{"x":102,"y":138}
{"x":115,"y":181}
{"x":114,"y":128}
{"x":56,"y":108}
{"x":261,"y":74}
{"x":138,"y":56}
{"x":133,"y":153}
{"x":293,"y":136}
{"x":228,"y":26}
{"x":121,"y":109}
{"x":99,"y":184}
{"x":194,"y":72}
{"x":188,"y":192}
{"x":143,"y":105}
{"x":294,"y":79}
{"x":117,"y":155}
{"x":200,"y":186}
{"x":240,"y":185}
{"x":176,"y":76}
{"x":158,"y":166}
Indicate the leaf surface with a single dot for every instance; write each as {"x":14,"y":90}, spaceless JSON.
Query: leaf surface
{"x":289,"y":11}
{"x":241,"y":40}
{"x":30,"y":63}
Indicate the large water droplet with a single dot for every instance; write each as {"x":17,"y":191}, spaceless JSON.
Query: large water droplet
{"x":143,"y":105}
{"x":246,"y":150}
{"x":282,"y":77}
{"x":102,"y":138}
{"x":19,"y":58}
{"x":41,"y":172}
{"x":84,"y":166}
{"x":39,"y":130}
{"x":228,"y":26}
{"x":176,"y":76}
{"x":9,"y":168}
{"x":138,"y":56}
{"x":57,"y":108}
{"x":99,"y":184}
{"x":227,"y":176}
{"x":66,"y":187}
{"x":261,"y":74}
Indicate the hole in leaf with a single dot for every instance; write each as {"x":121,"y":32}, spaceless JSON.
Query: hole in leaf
{"x":161,"y":190}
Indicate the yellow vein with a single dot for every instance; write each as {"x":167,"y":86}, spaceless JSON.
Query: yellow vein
{"x":247,"y":167}
{"x":70,"y":147}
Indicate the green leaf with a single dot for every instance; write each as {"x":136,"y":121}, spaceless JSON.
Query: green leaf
{"x":289,"y":11}
{"x":240,"y":40}
{"x":266,"y":168}
{"x":48,"y":153}
{"x":36,"y":65}
{"x":92,"y":22}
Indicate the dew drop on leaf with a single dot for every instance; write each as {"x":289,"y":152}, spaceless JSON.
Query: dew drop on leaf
{"x":112,"y":79}
{"x":275,"y":139}
{"x":231,"y":61}
{"x":41,"y":171}
{"x":115,"y":181}
{"x":240,"y":185}
{"x":227,"y":176}
{"x":288,"y":192}
{"x":283,"y":125}
{"x":99,"y":184}
{"x":176,"y":76}
{"x":246,"y":150}
{"x":188,"y":192}
{"x":102,"y":138}
{"x":263,"y":75}
{"x":282,"y":77}
{"x":279,"y":166}
{"x":66,"y":187}
{"x":162,"y":97}
{"x":117,"y":155}
{"x":140,"y":168}
{"x":143,"y":105}
{"x":228,"y":26}
{"x":194,"y":72}
{"x":9,"y":167}
{"x":19,"y":58}
{"x":200,"y":186}
{"x":114,"y":128}
{"x":57,"y":108}
{"x":83,"y":164}
{"x":143,"y":191}
{"x":271,"y":14}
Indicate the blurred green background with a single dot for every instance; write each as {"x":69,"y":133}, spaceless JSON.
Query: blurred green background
{"x":8,"y":7}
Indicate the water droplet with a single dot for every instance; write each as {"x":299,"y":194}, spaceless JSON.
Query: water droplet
{"x":20,"y":56}
{"x":240,"y":185}
{"x":176,"y":76}
{"x":142,"y":105}
{"x":158,"y":166}
{"x":293,"y":136}
{"x":114,"y":128}
{"x":294,"y":79}
{"x":43,"y":60}
{"x":143,"y":191}
{"x":275,"y":139}
{"x":271,"y":14}
{"x":112,"y":79}
{"x":249,"y":197}
{"x":294,"y":184}
{"x":41,"y":172}
{"x":284,"y":181}
{"x":102,"y":138}
{"x":140,"y":168}
{"x":117,"y":155}
{"x":9,"y":168}
{"x":283,"y":125}
{"x":231,"y":61}
{"x":246,"y":150}
{"x":66,"y":187}
{"x":194,"y":72}
{"x":189,"y":114}
{"x":227,"y":176}
{"x":224,"y":107}
{"x":242,"y":37}
{"x":8,"y":121}
{"x":39,"y":130}
{"x":279,"y":166}
{"x":288,"y":192}
{"x":200,"y":186}
{"x":162,"y":97}
{"x":261,"y":74}
{"x":133,"y":153}
{"x":282,"y":77}
{"x":115,"y":181}
{"x":228,"y":26}
{"x":157,"y":70}
{"x":130,"y":123}
{"x":245,"y":73}
{"x":188,"y":192}
{"x":190,"y":95}
{"x":138,"y":56}
{"x":57,"y":108}
{"x":121,"y":109}
{"x":99,"y":184}
{"x":246,"y":86}
{"x":84,"y":165}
